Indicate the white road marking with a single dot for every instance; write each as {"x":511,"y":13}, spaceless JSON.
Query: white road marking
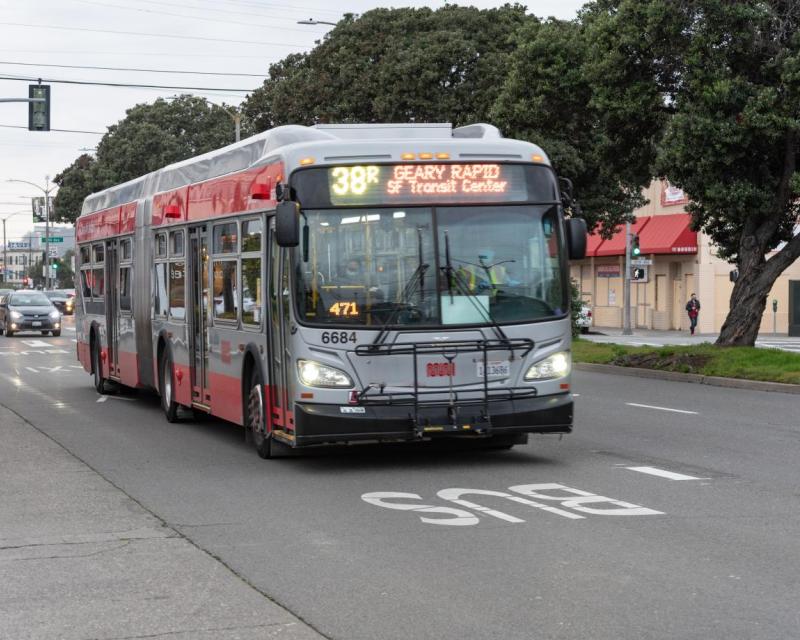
{"x":670,"y":475}
{"x":576,"y":395}
{"x":102,"y":398}
{"x":31,"y":369}
{"x":55,"y":369}
{"x":36,"y":343}
{"x":650,"y":406}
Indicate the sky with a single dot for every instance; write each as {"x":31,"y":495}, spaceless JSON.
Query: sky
{"x":222,"y":37}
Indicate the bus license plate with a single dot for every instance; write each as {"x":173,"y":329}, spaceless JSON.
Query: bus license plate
{"x":495,"y":369}
{"x":35,"y":323}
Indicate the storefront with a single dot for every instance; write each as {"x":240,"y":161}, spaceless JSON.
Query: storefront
{"x":682,"y":262}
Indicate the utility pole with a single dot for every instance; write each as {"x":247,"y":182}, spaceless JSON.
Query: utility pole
{"x":626,"y":285}
{"x":46,"y":191}
{"x":47,"y":235}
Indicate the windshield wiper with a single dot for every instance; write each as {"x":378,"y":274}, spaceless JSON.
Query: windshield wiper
{"x":453,"y":277}
{"x":409,"y":289}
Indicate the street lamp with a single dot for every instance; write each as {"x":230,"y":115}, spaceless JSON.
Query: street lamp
{"x":312,"y":21}
{"x":46,"y":191}
{"x":5,"y":244}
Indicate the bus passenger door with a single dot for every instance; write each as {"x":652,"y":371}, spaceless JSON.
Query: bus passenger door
{"x":198,"y":339}
{"x":279,"y":317}
{"x":112,"y":307}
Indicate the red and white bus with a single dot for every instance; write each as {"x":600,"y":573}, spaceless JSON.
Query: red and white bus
{"x":339,"y":283}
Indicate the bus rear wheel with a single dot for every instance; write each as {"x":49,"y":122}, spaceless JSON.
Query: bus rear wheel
{"x":97,"y":370}
{"x":255,"y":419}
{"x":166,"y":385}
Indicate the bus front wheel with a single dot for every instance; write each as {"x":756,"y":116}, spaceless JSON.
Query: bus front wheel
{"x":166,"y":385}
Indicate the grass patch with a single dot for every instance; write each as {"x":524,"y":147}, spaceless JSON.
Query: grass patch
{"x":749,"y":363}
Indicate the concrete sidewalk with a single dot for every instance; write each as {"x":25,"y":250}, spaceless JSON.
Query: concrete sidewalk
{"x":662,"y":338}
{"x":80,"y":559}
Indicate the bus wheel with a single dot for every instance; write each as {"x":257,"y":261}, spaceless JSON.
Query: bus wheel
{"x":166,"y":385}
{"x":255,"y":420}
{"x":97,"y":370}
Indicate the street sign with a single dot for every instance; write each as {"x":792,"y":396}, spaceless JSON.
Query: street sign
{"x":56,"y":239}
{"x":641,"y":262}
{"x":53,"y":253}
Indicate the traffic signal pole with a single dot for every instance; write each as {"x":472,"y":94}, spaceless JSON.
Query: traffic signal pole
{"x":626,"y":284}
{"x":46,"y":235}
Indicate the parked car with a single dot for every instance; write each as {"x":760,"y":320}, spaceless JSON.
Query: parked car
{"x":585,"y":318}
{"x":62,"y":302}
{"x":29,"y":311}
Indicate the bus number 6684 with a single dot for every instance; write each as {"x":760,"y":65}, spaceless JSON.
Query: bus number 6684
{"x":338,"y":337}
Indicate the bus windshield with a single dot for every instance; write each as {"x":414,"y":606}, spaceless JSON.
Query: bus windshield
{"x":432,"y":266}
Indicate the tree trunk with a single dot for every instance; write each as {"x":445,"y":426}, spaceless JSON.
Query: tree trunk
{"x":748,"y":300}
{"x":749,"y":296}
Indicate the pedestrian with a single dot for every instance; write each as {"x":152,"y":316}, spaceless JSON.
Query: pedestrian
{"x":693,"y":309}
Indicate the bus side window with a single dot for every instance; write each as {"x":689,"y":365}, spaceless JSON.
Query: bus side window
{"x":177,"y":290}
{"x":125,"y":288}
{"x":160,"y":283}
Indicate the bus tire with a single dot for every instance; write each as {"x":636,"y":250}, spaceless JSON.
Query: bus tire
{"x":97,"y":370}
{"x":166,"y":387}
{"x":255,"y":419}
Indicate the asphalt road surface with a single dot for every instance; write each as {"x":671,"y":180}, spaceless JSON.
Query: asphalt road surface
{"x":673,"y":511}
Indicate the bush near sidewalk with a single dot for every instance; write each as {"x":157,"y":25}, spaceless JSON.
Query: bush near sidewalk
{"x":749,"y":363}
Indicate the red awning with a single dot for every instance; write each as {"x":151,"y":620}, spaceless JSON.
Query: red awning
{"x":668,"y":234}
{"x":593,"y":242}
{"x":616,"y":246}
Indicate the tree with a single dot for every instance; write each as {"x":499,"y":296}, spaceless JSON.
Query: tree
{"x":713,"y":87}
{"x":394,"y":65}
{"x":548,"y":98}
{"x":151,"y":136}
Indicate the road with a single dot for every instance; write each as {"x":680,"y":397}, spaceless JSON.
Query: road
{"x":676,"y":515}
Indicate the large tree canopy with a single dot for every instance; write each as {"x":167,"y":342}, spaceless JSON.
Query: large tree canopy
{"x":547,"y":98}
{"x":728,"y":74}
{"x":151,"y":136}
{"x":394,"y":65}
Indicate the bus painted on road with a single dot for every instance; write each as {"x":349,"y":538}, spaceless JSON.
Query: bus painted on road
{"x":339,"y":283}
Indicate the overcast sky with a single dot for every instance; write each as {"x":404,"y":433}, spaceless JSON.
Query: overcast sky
{"x":221,"y":36}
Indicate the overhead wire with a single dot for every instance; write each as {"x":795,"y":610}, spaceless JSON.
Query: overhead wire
{"x":170,"y":36}
{"x":18,"y":126}
{"x":186,"y":16}
{"x":175,"y":71}
{"x":125,"y":84}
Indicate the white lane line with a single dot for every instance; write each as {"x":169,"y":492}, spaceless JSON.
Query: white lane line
{"x":31,"y":369}
{"x":661,"y":473}
{"x":650,"y":406}
{"x":36,"y":343}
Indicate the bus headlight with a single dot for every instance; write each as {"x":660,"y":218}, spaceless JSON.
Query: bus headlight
{"x":556,"y":365}
{"x":314,"y":374}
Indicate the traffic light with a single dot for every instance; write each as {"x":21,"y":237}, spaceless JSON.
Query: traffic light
{"x":39,"y":112}
{"x":635,"y":250}
{"x":639,"y":273}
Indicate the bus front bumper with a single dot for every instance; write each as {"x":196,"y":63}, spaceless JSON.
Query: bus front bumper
{"x":323,"y":423}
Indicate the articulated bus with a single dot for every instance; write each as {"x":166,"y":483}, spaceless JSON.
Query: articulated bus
{"x":339,"y":284}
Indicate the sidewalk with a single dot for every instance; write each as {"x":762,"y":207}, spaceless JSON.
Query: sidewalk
{"x":80,"y":560}
{"x":653,"y":338}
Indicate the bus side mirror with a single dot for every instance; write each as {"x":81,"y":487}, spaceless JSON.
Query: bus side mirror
{"x":287,"y":224}
{"x":576,"y":238}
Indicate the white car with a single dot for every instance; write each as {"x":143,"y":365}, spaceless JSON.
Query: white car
{"x":585,"y":318}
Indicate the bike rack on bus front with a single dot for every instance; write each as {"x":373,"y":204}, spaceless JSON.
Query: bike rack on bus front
{"x":374,"y":393}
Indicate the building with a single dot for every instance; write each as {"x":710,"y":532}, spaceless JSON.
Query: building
{"x":17,"y":268}
{"x":683,"y":262}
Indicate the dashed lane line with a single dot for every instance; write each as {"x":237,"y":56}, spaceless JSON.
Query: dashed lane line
{"x":662,"y":473}
{"x":650,"y":406}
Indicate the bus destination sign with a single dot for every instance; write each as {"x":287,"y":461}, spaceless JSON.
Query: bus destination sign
{"x":408,"y":183}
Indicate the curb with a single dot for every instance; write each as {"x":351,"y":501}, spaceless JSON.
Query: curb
{"x":696,"y":378}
